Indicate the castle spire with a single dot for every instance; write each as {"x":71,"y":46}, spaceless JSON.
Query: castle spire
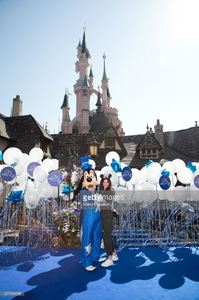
{"x":84,"y":42}
{"x":104,"y":86}
{"x":98,"y":103}
{"x":91,"y":72}
{"x":104,"y":72}
{"x":65,"y":114}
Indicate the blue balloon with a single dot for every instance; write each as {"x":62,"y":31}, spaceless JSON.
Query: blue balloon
{"x":1,"y":155}
{"x":65,"y":189}
{"x":116,"y":166}
{"x":55,"y":178}
{"x":196,"y":181}
{"x":148,"y":163}
{"x":15,"y":196}
{"x":165,"y":172}
{"x":191,"y":167}
{"x":126,"y":173}
{"x":31,"y":167}
{"x":8,"y":173}
{"x":164,"y":182}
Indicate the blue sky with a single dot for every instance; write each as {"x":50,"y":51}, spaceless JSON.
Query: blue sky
{"x":152,"y":49}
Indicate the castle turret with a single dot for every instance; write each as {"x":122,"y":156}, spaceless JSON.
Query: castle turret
{"x":65,"y":115}
{"x":82,"y":87}
{"x":90,"y":80}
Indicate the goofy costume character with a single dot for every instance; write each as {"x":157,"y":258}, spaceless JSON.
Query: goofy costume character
{"x":91,"y":227}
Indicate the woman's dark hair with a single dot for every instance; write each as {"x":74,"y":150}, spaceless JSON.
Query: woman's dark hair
{"x":101,"y":183}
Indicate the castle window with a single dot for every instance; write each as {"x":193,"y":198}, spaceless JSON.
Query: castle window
{"x":149,"y":153}
{"x":75,"y":130}
{"x":110,"y":143}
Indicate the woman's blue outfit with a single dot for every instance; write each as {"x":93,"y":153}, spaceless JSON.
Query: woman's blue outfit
{"x":91,"y":228}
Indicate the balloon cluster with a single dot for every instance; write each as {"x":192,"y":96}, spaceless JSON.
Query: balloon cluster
{"x":30,"y":176}
{"x":167,"y":181}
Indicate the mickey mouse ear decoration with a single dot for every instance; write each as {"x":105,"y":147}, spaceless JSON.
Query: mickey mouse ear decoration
{"x":108,"y":176}
{"x":85,"y":160}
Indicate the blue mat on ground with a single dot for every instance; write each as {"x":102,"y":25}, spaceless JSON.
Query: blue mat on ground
{"x":141,"y":273}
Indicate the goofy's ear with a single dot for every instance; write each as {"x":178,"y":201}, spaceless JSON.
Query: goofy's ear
{"x":79,"y":187}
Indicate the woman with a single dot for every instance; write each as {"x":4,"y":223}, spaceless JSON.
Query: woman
{"x":107,"y":219}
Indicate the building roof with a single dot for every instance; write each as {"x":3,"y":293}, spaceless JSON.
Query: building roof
{"x":149,"y":141}
{"x":98,"y":121}
{"x":182,"y":144}
{"x":25,"y":132}
{"x":3,"y":131}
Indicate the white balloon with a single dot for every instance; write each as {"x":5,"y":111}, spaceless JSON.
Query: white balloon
{"x":12,"y":156}
{"x":110,"y":156}
{"x":30,"y":185}
{"x":185,"y":175}
{"x":135,"y":176}
{"x":154,"y":167}
{"x":55,"y":164}
{"x":173,"y":179}
{"x":92,"y":162}
{"x":178,"y":164}
{"x":26,"y":158}
{"x":40,"y":174}
{"x":48,"y":164}
{"x":168,"y":166}
{"x":36,"y":154}
{"x":130,"y":186}
{"x":143,"y":174}
{"x":31,"y":199}
{"x":20,"y":168}
{"x":22,"y":179}
{"x":153,"y":176}
{"x":44,"y":190}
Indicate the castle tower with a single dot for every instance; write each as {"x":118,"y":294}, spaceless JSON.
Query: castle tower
{"x":65,"y":115}
{"x":83,"y":86}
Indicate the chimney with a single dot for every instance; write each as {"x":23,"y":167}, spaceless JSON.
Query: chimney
{"x":17,"y":107}
{"x":196,"y":123}
{"x":158,"y":128}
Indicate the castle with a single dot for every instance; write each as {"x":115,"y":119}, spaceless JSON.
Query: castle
{"x":83,"y":90}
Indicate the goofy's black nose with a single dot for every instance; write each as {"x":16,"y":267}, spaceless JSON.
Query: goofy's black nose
{"x":89,"y":179}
